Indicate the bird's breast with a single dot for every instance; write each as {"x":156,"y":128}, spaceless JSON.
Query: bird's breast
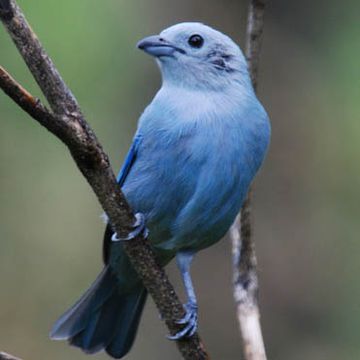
{"x":192,"y":174}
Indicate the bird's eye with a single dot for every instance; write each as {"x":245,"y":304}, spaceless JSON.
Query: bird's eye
{"x":196,"y":41}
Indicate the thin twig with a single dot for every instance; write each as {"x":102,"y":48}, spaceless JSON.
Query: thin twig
{"x":5,"y":356}
{"x":254,"y":32}
{"x":244,"y":256}
{"x":68,"y":124}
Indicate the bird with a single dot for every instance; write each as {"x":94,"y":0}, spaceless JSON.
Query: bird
{"x":196,"y":150}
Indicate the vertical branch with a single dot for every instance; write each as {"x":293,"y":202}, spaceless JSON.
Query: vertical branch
{"x":254,"y":34}
{"x":244,"y":256}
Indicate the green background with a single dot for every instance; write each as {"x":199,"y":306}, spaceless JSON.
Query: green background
{"x":307,"y":195}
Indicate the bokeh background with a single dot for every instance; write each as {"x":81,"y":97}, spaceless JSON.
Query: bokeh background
{"x":306,"y":205}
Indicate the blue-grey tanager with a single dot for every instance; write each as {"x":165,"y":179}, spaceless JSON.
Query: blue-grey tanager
{"x":196,"y":151}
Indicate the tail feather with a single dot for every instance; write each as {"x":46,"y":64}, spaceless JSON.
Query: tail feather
{"x":104,"y":318}
{"x":128,"y":323}
{"x":77,"y":317}
{"x":101,"y":328}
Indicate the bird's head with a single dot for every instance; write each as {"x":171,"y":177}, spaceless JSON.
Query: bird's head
{"x":194,"y":55}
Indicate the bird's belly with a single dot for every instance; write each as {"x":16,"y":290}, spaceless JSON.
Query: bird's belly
{"x":206,"y":218}
{"x":195,"y":213}
{"x":189,"y":196}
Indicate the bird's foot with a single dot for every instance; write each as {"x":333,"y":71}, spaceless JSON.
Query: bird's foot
{"x":139,"y":227}
{"x":190,"y":320}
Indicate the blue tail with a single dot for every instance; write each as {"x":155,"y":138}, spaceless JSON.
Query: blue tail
{"x":103,"y":319}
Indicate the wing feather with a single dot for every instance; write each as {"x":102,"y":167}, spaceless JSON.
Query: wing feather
{"x":128,"y":163}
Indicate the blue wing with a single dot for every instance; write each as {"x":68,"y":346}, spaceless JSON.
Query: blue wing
{"x":129,"y":161}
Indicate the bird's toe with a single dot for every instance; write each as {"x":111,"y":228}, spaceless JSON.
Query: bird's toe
{"x":139,"y":227}
{"x":190,"y":320}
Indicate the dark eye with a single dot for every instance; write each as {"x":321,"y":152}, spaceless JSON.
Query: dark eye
{"x":196,"y":41}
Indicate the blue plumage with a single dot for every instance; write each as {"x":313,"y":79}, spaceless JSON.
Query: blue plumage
{"x":197,"y":149}
{"x":130,"y":158}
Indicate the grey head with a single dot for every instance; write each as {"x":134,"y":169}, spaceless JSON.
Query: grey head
{"x":197,"y":56}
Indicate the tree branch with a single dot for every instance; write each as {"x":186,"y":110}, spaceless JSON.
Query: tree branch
{"x":23,"y":98}
{"x":5,"y":356}
{"x":69,"y":125}
{"x":244,"y":256}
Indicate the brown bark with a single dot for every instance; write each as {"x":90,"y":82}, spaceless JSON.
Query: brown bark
{"x":66,"y":121}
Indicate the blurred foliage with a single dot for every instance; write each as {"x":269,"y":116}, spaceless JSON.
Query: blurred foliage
{"x":307,"y":196}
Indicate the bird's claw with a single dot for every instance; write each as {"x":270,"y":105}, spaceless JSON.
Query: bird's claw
{"x":139,"y":227}
{"x":190,"y":320}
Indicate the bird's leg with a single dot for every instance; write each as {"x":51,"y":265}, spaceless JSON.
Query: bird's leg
{"x":139,"y":227}
{"x":190,"y":319}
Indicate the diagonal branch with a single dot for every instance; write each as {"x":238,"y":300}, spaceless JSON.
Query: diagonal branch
{"x":69,"y":125}
{"x":5,"y":356}
{"x":41,"y":66}
{"x":23,"y":98}
{"x":244,"y":256}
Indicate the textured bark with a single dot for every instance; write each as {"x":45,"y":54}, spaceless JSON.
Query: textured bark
{"x":244,"y":256}
{"x":66,"y":121}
